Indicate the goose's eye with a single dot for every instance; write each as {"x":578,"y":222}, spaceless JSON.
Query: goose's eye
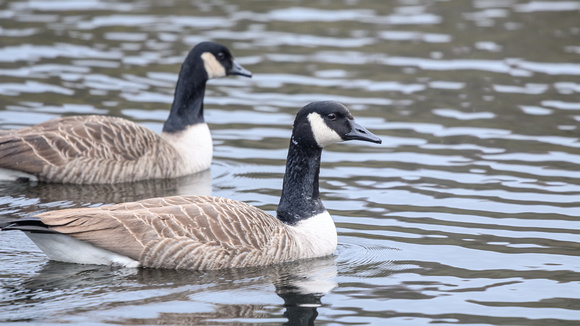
{"x":331,"y":116}
{"x":221,"y":55}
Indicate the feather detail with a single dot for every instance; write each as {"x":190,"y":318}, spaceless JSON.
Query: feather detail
{"x":191,"y":232}
{"x":113,"y":149}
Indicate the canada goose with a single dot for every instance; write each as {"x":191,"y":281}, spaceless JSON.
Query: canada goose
{"x":104,"y":149}
{"x":202,"y":232}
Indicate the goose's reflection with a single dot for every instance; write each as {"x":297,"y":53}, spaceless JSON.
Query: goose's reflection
{"x":301,"y":285}
{"x":44,"y":196}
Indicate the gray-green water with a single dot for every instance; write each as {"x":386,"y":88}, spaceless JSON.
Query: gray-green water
{"x":468,"y":213}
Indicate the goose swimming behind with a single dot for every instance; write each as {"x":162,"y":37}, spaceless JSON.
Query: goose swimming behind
{"x":204,"y":233}
{"x":105,"y":149}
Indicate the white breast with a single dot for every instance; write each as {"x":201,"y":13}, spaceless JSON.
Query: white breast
{"x":316,"y":236}
{"x":195,"y":147}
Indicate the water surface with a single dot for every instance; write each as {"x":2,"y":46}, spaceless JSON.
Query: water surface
{"x":466,"y":214}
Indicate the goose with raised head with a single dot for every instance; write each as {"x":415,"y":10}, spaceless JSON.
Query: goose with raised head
{"x":204,"y":233}
{"x":105,"y":149}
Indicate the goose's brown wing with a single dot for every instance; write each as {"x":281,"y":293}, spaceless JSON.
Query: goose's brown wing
{"x":63,"y":148}
{"x":194,"y":232}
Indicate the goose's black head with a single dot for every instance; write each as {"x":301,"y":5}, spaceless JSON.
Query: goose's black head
{"x":327,"y":122}
{"x":205,"y":61}
{"x":217,"y":60}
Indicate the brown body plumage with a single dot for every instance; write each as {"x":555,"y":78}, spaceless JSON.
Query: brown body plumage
{"x":185,"y":232}
{"x":65,"y":149}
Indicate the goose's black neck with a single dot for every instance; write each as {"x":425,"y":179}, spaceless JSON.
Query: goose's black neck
{"x":300,"y":194}
{"x":187,"y":107}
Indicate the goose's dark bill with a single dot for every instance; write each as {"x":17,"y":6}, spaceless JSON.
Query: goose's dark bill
{"x":359,"y":132}
{"x":239,"y":70}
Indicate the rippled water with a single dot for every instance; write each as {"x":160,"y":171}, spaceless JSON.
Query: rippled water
{"x":466,"y":214}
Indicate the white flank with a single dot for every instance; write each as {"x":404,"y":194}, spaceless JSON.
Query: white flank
{"x":322,"y":133}
{"x":316,"y":235}
{"x":11,"y":175}
{"x":63,"y":248}
{"x":213,"y":68}
{"x":195,"y":146}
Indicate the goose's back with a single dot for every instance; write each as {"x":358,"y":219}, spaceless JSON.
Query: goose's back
{"x":185,"y":232}
{"x":87,"y":149}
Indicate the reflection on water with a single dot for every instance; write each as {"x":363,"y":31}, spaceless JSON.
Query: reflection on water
{"x":196,"y":297}
{"x":57,"y":196}
{"x":466,"y":214}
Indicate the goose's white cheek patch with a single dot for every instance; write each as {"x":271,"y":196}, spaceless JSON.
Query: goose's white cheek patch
{"x":322,"y":133}
{"x":213,"y":68}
